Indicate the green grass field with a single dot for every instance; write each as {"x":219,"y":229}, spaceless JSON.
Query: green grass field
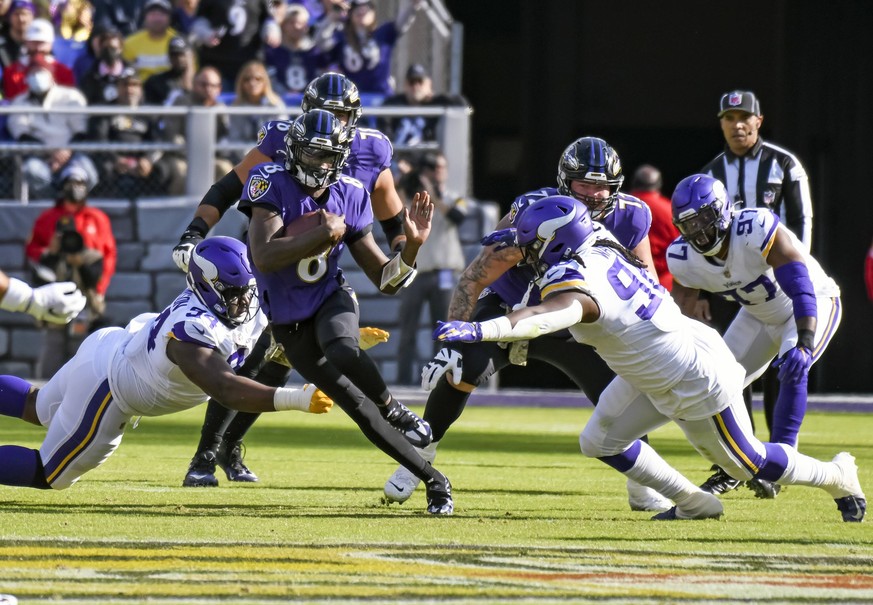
{"x":534,"y":521}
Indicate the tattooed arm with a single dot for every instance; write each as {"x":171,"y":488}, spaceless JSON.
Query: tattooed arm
{"x":490,"y":264}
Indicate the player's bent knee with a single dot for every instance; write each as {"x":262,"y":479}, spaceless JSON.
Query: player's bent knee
{"x":342,"y":353}
{"x":592,"y":444}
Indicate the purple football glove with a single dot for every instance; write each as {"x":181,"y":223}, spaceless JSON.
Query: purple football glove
{"x":457,"y":331}
{"x":504,"y":237}
{"x":794,"y":365}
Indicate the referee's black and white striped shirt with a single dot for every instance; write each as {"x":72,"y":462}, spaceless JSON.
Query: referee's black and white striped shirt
{"x":772,"y":177}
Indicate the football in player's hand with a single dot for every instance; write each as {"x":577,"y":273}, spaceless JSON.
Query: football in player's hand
{"x":307,"y":222}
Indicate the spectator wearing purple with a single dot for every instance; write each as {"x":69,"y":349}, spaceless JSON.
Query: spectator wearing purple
{"x":184,"y":14}
{"x":363,"y":50}
{"x":19,"y":16}
{"x":294,"y":63}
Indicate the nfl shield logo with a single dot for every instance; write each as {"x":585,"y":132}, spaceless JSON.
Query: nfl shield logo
{"x":735,"y":99}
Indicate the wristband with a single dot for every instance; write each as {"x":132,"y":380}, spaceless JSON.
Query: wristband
{"x":286,"y":398}
{"x":806,"y":339}
{"x":18,"y":297}
{"x":395,"y":272}
{"x":198,"y":226}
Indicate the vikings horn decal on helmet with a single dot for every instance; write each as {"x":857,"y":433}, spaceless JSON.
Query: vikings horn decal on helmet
{"x":220,"y":275}
{"x":591,"y":160}
{"x":335,"y":93}
{"x":701,"y":212}
{"x":553,"y":229}
{"x":317,"y":148}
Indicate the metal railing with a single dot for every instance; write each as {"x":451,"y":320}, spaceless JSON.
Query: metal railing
{"x":201,"y":144}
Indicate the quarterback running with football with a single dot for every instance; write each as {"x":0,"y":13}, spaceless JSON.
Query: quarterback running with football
{"x":313,"y":311}
{"x":369,"y":162}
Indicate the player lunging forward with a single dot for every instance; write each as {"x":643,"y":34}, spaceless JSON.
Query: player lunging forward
{"x":668,"y":366}
{"x":159,"y":364}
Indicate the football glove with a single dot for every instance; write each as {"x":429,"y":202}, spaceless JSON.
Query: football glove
{"x":502,"y":237}
{"x":320,"y":402}
{"x":370,"y":337}
{"x":182,"y":251}
{"x":447,"y":360}
{"x":307,"y":399}
{"x":794,"y":365}
{"x":56,"y":303}
{"x":458,"y":331}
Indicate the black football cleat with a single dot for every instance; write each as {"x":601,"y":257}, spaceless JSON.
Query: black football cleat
{"x":407,"y":422}
{"x":764,"y":489}
{"x":720,"y":482}
{"x":232,"y":463}
{"x":201,"y":471}
{"x":439,"y":496}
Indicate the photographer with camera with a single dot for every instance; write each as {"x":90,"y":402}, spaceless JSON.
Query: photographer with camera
{"x":72,"y":242}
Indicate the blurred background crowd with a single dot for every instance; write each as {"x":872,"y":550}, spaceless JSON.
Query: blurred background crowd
{"x":647,"y":78}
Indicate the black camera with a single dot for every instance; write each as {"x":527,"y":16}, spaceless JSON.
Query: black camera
{"x":71,"y":240}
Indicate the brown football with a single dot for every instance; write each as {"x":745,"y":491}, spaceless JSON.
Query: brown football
{"x":304,"y":223}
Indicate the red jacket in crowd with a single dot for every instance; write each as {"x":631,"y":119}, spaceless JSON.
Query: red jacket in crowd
{"x":92,"y":223}
{"x":14,"y":76}
{"x":662,"y":233}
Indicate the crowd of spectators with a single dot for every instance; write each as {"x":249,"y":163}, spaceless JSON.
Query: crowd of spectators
{"x":126,"y":53}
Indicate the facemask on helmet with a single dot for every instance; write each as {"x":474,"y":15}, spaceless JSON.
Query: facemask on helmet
{"x":553,"y":229}
{"x":701,"y":212}
{"x":337,"y":94}
{"x":591,"y":160}
{"x":75,"y":191}
{"x":220,"y":276}
{"x":317,"y":148}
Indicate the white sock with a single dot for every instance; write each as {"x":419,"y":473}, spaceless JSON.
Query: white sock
{"x":805,"y":470}
{"x":653,"y":471}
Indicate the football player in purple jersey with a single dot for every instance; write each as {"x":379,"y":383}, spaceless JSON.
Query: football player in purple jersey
{"x":369,"y":162}
{"x":590,"y":170}
{"x":313,"y":311}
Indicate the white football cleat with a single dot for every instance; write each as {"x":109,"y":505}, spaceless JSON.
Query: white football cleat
{"x":699,"y":505}
{"x":402,"y":483}
{"x":645,"y":498}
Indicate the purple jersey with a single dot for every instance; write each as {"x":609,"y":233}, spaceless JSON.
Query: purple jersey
{"x":292,"y":70}
{"x":370,"y":152}
{"x":629,"y":223}
{"x":370,"y":66}
{"x":296,"y":292}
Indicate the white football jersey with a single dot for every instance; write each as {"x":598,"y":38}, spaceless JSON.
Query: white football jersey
{"x":746,"y":277}
{"x":145,"y":382}
{"x":683,"y":365}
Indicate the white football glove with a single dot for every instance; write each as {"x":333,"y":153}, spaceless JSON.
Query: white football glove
{"x":447,"y":360}
{"x":182,"y":254}
{"x":56,"y":303}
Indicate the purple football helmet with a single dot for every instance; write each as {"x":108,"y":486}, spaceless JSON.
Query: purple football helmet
{"x":335,"y":93}
{"x":553,"y":229}
{"x":701,"y":212}
{"x":220,"y":275}
{"x":317,"y":148}
{"x":591,"y":160}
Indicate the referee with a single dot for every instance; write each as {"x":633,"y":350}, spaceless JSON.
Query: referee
{"x":756,"y":174}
